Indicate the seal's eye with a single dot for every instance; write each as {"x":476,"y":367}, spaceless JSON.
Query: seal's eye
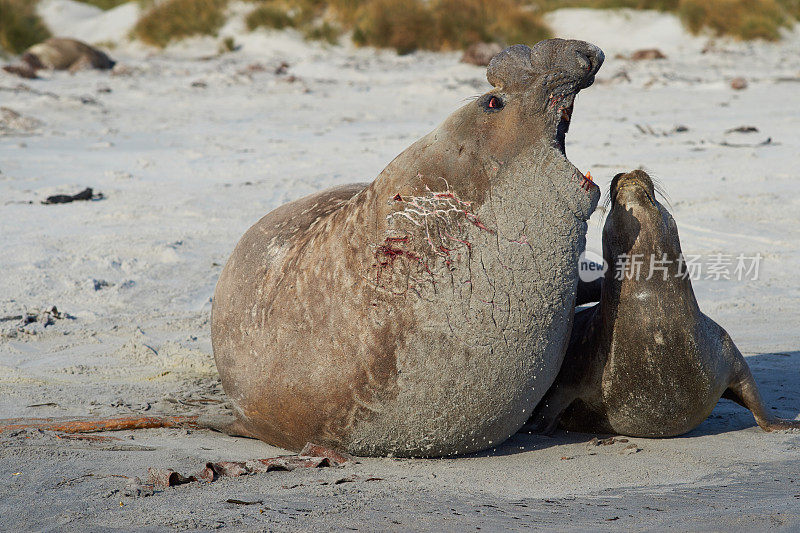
{"x":493,"y":103}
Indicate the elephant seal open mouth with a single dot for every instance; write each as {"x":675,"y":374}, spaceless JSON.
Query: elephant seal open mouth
{"x":425,"y":313}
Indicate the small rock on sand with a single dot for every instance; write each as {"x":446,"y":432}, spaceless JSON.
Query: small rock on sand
{"x":647,"y":53}
{"x":738,"y":84}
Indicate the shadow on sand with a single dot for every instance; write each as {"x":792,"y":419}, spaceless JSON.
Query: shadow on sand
{"x":778,"y":378}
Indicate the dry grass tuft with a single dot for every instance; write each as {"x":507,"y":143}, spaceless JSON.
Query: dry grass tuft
{"x":316,"y":19}
{"x":104,"y":4}
{"x":277,"y":15}
{"x":21,"y":27}
{"x":791,"y":7}
{"x":404,"y":25}
{"x":745,"y":19}
{"x":659,"y":5}
{"x":176,"y":19}
{"x":111,"y":4}
{"x":409,"y":25}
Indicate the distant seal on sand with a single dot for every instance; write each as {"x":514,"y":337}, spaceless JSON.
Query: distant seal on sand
{"x":59,"y":53}
{"x":645,"y":361}
{"x":425,"y":313}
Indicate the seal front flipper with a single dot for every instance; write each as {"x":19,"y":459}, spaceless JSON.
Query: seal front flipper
{"x":548,"y":413}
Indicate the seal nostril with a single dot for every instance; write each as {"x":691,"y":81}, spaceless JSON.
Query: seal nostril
{"x":584,"y":62}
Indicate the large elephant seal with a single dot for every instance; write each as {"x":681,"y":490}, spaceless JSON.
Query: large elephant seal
{"x":426,"y":313}
{"x":59,"y":53}
{"x":645,"y":361}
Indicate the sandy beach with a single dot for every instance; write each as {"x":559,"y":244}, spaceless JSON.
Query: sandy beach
{"x":189,"y":148}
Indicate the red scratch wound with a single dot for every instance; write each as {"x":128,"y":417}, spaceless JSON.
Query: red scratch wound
{"x":465,"y":243}
{"x":587,"y":181}
{"x":521,"y":240}
{"x":390,"y":253}
{"x":477,"y":222}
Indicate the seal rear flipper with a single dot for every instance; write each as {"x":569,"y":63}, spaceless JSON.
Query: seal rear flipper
{"x":744,"y":391}
{"x":23,"y":71}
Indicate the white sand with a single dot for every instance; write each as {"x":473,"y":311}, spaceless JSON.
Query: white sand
{"x":190,"y":152}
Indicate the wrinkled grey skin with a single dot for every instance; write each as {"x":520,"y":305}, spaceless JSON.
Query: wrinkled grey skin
{"x":425,"y":313}
{"x":645,"y":361}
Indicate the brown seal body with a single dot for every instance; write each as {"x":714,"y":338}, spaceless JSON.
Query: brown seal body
{"x":59,"y":53}
{"x":425,"y":313}
{"x":645,"y":361}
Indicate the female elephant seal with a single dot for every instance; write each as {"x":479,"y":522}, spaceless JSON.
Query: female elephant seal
{"x":59,"y":53}
{"x":426,"y":313}
{"x":645,"y":361}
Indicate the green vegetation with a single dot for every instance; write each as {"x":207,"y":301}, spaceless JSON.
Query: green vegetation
{"x":406,"y":25}
{"x":111,"y":4}
{"x":745,"y":19}
{"x":446,"y":24}
{"x":21,"y":27}
{"x":659,"y":5}
{"x":228,"y":44}
{"x":324,"y":31}
{"x":276,"y":15}
{"x":317,"y":20}
{"x":175,"y":19}
{"x":105,"y":4}
{"x":791,"y":7}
